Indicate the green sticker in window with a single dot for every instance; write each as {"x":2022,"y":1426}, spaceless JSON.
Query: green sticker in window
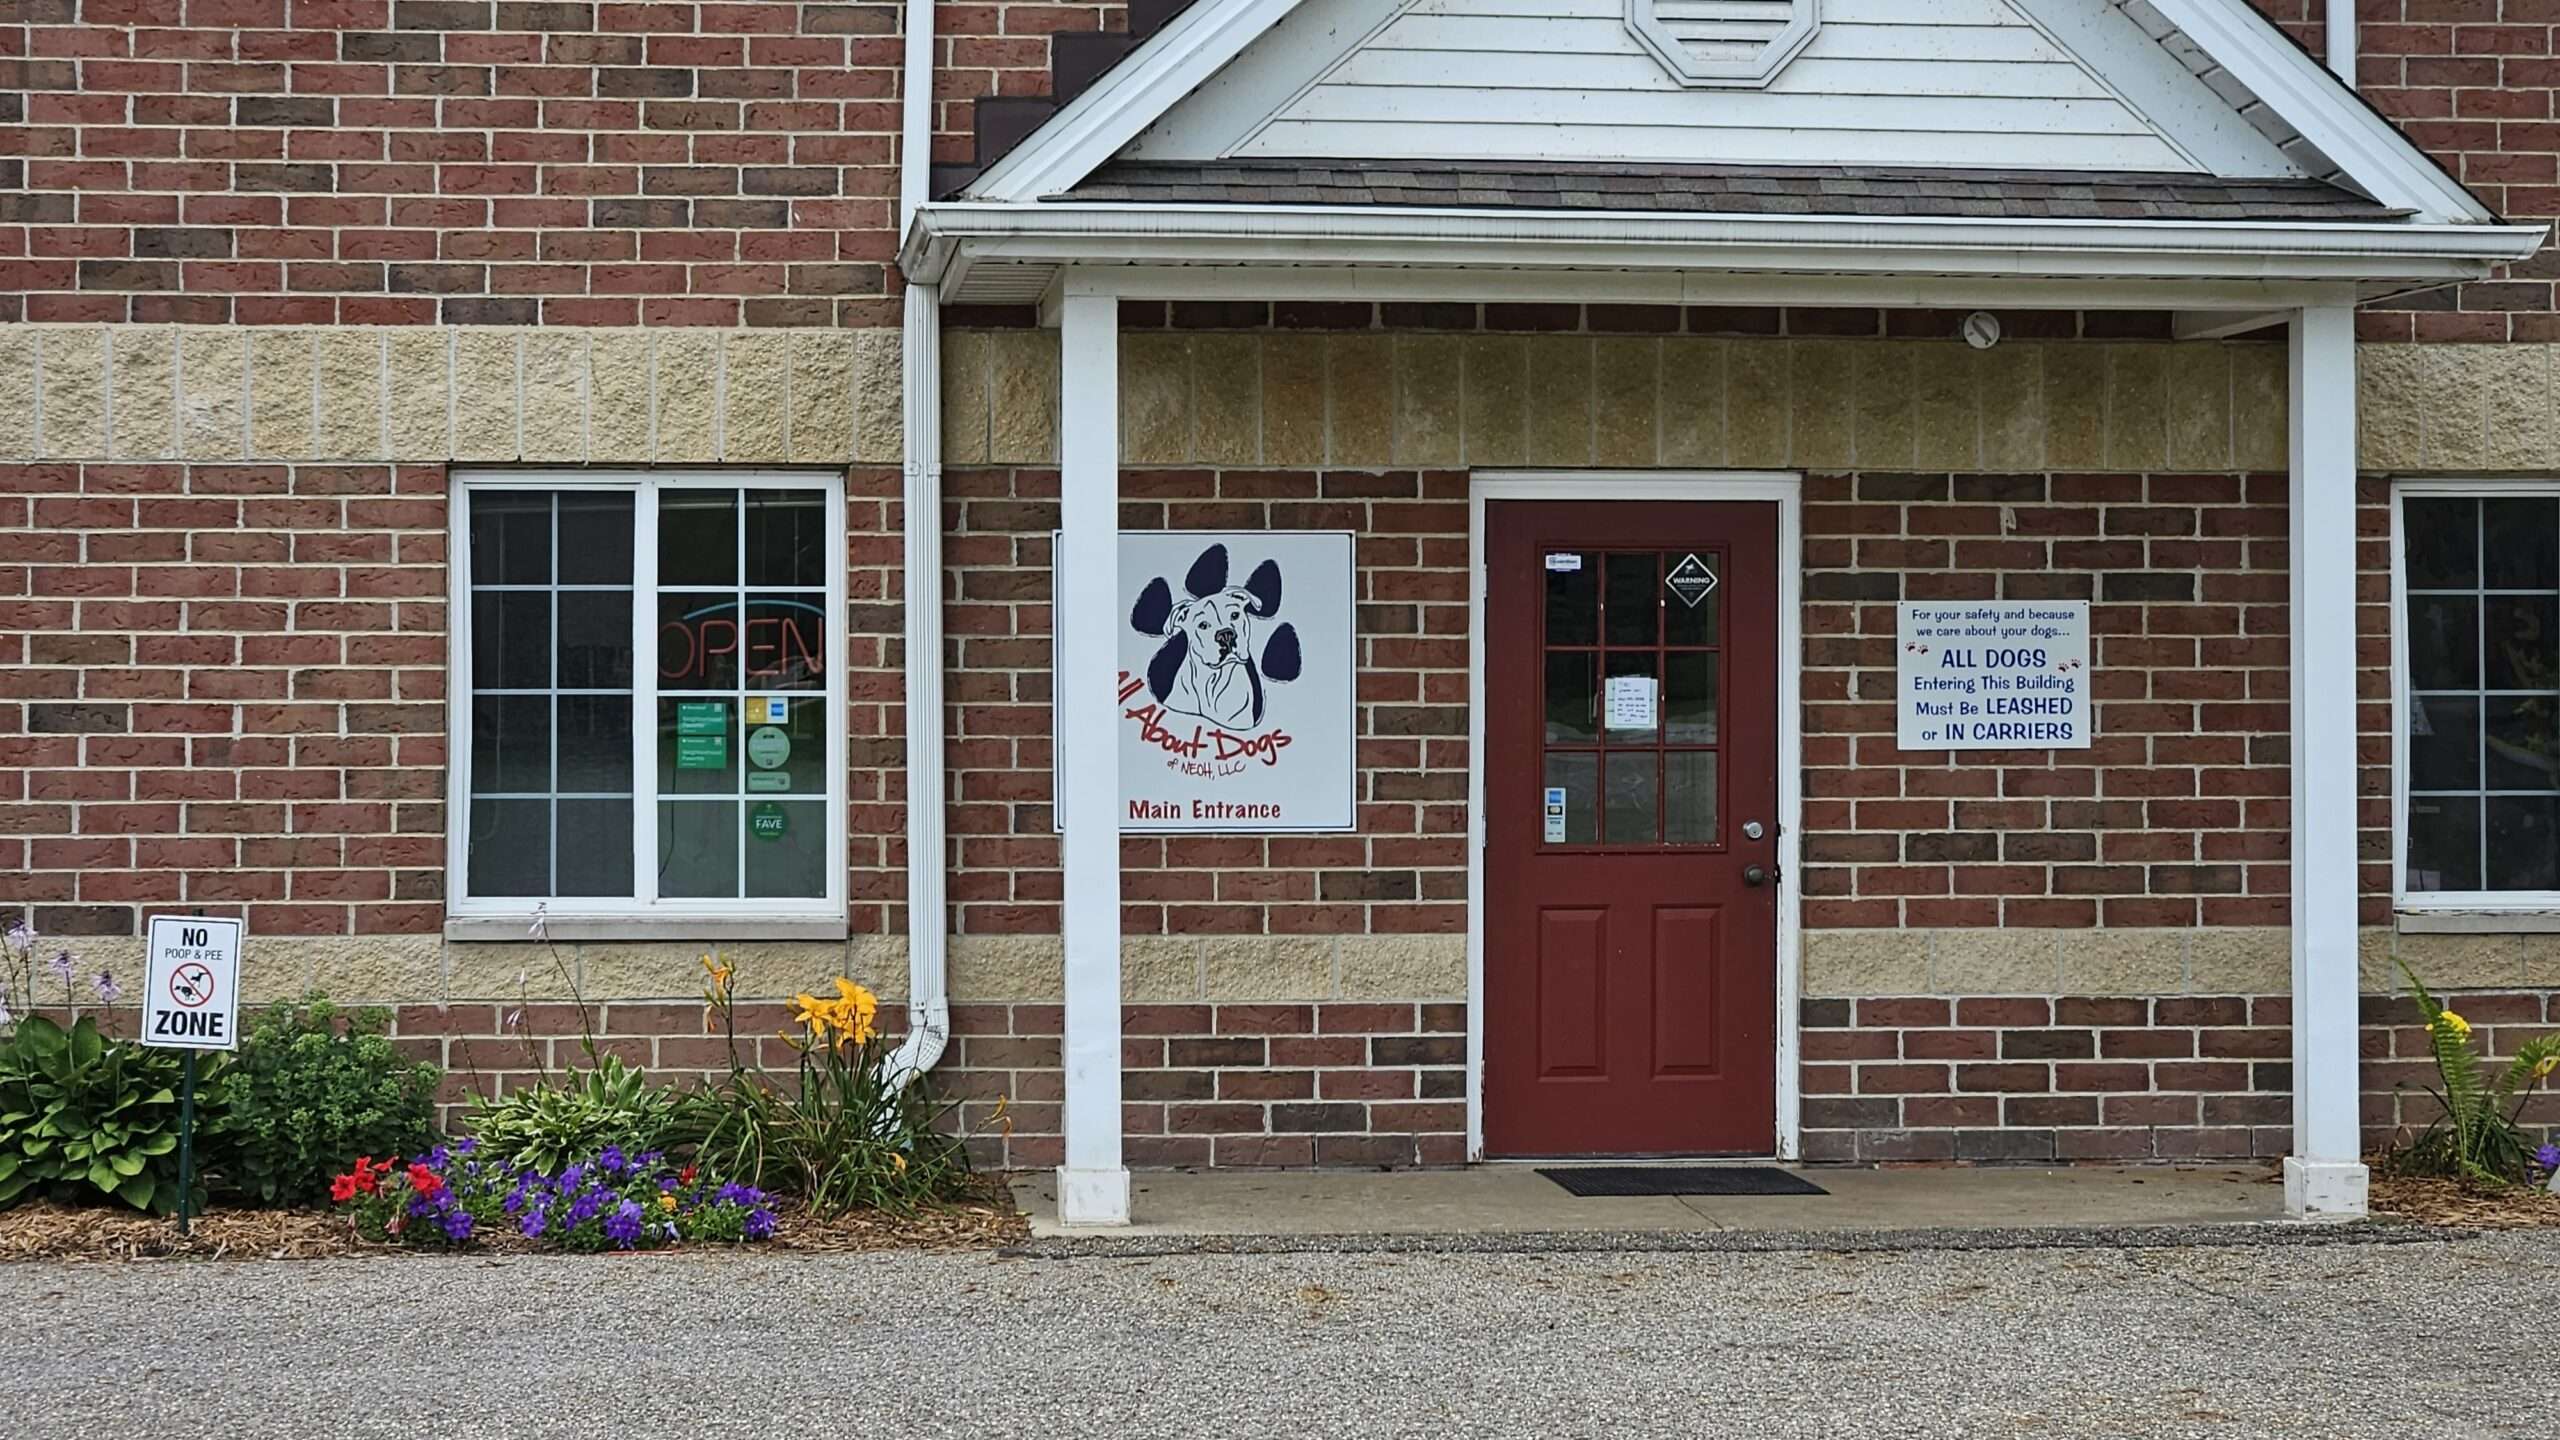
{"x":702,"y":752}
{"x":766,"y":821}
{"x":760,"y":780}
{"x":768,"y":747}
{"x":702,"y":717}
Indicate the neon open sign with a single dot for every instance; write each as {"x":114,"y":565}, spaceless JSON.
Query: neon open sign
{"x":777,"y":642}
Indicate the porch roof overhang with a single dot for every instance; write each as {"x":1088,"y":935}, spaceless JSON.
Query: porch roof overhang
{"x":1015,"y":253}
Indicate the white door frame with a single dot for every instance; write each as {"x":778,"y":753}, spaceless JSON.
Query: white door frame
{"x":1786,"y":491}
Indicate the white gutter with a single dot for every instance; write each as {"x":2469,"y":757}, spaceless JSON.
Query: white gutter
{"x":928,"y":914}
{"x":1124,"y":234}
{"x":2342,"y":40}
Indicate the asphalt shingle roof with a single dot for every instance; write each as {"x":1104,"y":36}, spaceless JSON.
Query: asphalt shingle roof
{"x":1728,"y":190}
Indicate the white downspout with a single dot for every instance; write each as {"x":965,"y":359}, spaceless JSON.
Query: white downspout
{"x":928,"y":914}
{"x":2342,"y":40}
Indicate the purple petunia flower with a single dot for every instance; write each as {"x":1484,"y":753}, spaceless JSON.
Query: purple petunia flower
{"x":612,"y":1160}
{"x":624,"y":1225}
{"x":457,"y":1225}
{"x":759,"y":1224}
{"x":2548,"y":1158}
{"x":534,"y":1224}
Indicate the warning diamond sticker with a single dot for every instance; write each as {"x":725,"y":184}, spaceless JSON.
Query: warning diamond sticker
{"x":1691,"y":580}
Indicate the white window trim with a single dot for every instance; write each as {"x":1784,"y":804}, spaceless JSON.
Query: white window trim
{"x":646,"y":916}
{"x":2446,"y":911}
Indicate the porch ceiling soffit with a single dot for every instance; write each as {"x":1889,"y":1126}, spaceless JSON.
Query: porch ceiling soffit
{"x":2195,"y":87}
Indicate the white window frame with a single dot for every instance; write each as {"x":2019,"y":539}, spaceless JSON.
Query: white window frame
{"x":2445,"y":910}
{"x":645,"y":915}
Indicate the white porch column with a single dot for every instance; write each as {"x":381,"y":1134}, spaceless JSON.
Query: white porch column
{"x":1093,"y":1186}
{"x":2324,"y":1178}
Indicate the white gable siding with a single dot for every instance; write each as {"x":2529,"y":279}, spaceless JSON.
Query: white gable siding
{"x":1884,"y":82}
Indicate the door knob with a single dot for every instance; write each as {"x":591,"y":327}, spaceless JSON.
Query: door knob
{"x":1754,"y":876}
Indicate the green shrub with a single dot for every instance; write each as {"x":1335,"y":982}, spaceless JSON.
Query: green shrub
{"x":85,"y":1115}
{"x":552,"y":1124}
{"x":2477,"y":1137}
{"x":312,"y":1088}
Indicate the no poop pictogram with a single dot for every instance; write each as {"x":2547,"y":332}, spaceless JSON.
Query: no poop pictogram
{"x":191,"y":984}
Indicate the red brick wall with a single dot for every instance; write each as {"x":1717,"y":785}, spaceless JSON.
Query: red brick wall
{"x":1404,"y":872}
{"x":721,"y":162}
{"x":2178,"y":813}
{"x":224,"y":684}
{"x":454,"y":161}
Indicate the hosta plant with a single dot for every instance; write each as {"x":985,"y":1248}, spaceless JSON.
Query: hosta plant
{"x":2477,"y":1137}
{"x":557,"y":1121}
{"x":84,"y":1115}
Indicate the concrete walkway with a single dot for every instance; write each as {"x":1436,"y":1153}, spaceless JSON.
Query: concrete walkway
{"x":1517,"y":1200}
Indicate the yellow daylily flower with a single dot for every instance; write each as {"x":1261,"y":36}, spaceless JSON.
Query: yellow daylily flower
{"x":856,"y":1010}
{"x":2460,"y":1026}
{"x":2543,"y":1067}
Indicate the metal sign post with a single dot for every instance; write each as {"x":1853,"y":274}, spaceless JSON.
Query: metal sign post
{"x":191,"y":1002}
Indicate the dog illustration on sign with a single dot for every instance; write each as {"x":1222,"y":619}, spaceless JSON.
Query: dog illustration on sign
{"x":1209,"y":664}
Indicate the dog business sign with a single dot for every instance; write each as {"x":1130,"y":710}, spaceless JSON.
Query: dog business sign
{"x":1235,"y":681}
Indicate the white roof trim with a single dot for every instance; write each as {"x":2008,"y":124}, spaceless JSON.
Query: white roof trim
{"x":2368,"y":150}
{"x":2370,"y":154}
{"x":1172,"y":63}
{"x":977,"y":239}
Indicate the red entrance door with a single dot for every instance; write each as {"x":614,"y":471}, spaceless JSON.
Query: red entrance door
{"x":1631,"y":796}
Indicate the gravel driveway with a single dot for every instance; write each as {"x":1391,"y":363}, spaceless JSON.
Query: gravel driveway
{"x":2336,"y":1339}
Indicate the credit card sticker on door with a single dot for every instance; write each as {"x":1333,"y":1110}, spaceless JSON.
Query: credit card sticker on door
{"x":1555,"y":815}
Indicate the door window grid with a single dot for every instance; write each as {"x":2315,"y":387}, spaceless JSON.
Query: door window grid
{"x":1608,"y":612}
{"x":812,"y":793}
{"x":2480,"y":617}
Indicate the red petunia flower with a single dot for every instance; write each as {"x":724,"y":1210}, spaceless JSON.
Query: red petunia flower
{"x":343,"y":1189}
{"x":425,"y":1181}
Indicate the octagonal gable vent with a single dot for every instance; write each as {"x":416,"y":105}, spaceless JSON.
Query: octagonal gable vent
{"x":1724,"y":42}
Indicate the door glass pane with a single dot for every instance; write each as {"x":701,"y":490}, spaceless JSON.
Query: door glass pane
{"x":1578,"y":776}
{"x":511,"y":537}
{"x":2523,"y":846}
{"x":1689,"y":697}
{"x":698,"y":849}
{"x":595,"y":640}
{"x":2523,"y":642}
{"x":595,"y":846}
{"x":510,"y":847}
{"x":2443,"y":539}
{"x":595,"y":537}
{"x":784,"y":643}
{"x":1633,"y":691}
{"x":510,"y":744}
{"x":1634,"y":794}
{"x":2444,"y":642}
{"x":1689,"y":797}
{"x":1573,"y":696}
{"x":698,"y":640}
{"x":2444,"y":842}
{"x":786,"y":538}
{"x":2521,"y":537}
{"x":1634,"y":599}
{"x":697,"y":747}
{"x":2523,"y":749}
{"x":698,"y":537}
{"x":1573,"y":597}
{"x":786,"y":849}
{"x":1683,"y":623}
{"x":510,"y":640}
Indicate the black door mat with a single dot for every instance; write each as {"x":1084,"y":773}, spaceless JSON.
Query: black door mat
{"x":1622,"y":1180}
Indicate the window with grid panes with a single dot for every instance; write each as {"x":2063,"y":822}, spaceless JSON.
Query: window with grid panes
{"x":648,"y":715}
{"x":1610,"y":618}
{"x":2480,"y":637}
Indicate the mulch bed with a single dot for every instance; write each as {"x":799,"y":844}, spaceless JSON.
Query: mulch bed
{"x":41,"y":1230}
{"x":2431,"y":1201}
